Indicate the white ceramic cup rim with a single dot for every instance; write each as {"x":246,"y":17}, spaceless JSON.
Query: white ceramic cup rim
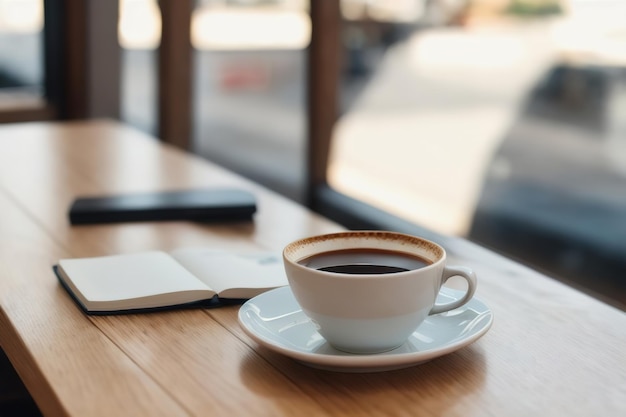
{"x":301,"y":249}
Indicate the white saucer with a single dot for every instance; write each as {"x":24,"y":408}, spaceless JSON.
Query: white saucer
{"x":274,"y":319}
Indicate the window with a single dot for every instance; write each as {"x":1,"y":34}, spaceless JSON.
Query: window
{"x":499,"y":121}
{"x":248,"y":82}
{"x":139,"y":35}
{"x":250,"y":88}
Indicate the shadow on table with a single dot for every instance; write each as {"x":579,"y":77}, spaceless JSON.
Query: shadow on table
{"x":14,"y":398}
{"x":456,"y":375}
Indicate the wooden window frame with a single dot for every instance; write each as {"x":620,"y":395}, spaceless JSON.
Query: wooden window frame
{"x":175,"y":73}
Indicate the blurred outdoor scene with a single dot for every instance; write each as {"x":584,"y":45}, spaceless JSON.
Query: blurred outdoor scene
{"x":502,"y":121}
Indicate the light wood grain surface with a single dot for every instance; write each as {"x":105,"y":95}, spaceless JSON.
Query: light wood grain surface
{"x":552,"y":351}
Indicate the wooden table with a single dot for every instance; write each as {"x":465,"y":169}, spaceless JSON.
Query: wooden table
{"x":552,"y":351}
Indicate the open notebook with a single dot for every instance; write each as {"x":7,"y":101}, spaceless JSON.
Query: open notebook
{"x":156,"y":280}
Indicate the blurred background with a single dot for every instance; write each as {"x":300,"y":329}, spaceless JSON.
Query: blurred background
{"x":501,"y":121}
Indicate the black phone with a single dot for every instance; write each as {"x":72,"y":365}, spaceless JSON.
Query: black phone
{"x":202,"y":205}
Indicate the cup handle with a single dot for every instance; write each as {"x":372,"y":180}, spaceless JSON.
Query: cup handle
{"x":452,"y":271}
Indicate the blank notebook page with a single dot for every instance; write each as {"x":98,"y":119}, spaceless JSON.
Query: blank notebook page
{"x":129,"y":276}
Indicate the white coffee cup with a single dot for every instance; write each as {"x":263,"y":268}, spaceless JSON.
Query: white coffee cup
{"x":369,"y":312}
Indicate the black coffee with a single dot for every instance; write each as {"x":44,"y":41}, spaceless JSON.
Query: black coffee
{"x":364,"y":261}
{"x":363,"y":269}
